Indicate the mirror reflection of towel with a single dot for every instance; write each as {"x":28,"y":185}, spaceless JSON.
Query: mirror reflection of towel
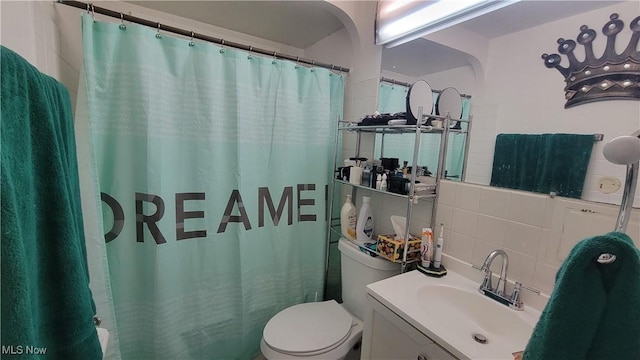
{"x":542,"y":163}
{"x":593,"y":312}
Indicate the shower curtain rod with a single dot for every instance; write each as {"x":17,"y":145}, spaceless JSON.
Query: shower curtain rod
{"x":396,"y":82}
{"x":193,"y":35}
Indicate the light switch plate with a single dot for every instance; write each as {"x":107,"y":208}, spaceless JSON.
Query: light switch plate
{"x":608,"y":184}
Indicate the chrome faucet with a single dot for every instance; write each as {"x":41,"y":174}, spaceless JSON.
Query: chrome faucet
{"x":486,"y":268}
{"x":498,"y":293}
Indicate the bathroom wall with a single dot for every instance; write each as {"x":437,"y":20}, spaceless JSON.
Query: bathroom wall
{"x":520,"y":95}
{"x":536,"y":231}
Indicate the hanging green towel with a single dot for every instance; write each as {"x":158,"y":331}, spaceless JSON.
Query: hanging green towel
{"x":46,"y":301}
{"x":542,"y":163}
{"x":593,"y":312}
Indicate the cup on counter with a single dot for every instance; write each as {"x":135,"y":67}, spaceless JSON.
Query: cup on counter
{"x":355,"y":175}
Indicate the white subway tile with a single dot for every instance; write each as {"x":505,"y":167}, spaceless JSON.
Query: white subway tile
{"x":444,"y":215}
{"x":467,"y":197}
{"x":464,"y":221}
{"x":458,"y":245}
{"x":446,"y":192}
{"x":527,"y":208}
{"x":544,"y":277}
{"x":523,"y":238}
{"x":491,"y":229}
{"x":521,"y":267}
{"x":547,"y":220}
{"x":494,"y":202}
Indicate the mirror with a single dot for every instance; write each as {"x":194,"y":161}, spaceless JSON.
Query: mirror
{"x":497,"y":61}
{"x":450,"y":103}
{"x":419,"y":102}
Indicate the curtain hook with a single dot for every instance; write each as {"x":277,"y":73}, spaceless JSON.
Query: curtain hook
{"x":158,"y":35}
{"x":313,"y":63}
{"x":222,"y":44}
{"x":274,"y":58}
{"x":250,"y":50}
{"x":297,"y":62}
{"x":92,"y":12}
{"x":191,"y":43}
{"x":122,"y":25}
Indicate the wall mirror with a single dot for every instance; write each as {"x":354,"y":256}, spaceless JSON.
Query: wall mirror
{"x":483,"y":56}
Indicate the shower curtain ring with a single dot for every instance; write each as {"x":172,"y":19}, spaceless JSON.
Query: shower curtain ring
{"x":122,"y":25}
{"x":250,"y":50}
{"x":313,"y":63}
{"x":222,"y":44}
{"x":274,"y":58}
{"x":191,"y":43}
{"x":297,"y":62}
{"x":92,"y":11}
{"x":158,"y":35}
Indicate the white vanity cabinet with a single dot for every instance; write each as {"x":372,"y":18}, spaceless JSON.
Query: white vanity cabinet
{"x":388,"y":337}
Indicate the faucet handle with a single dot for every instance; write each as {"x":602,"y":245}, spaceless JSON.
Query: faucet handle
{"x":517,"y":289}
{"x":486,"y":282}
{"x":519,"y":285}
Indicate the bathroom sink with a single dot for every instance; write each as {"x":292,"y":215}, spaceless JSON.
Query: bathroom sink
{"x":470,"y":312}
{"x":452,"y":312}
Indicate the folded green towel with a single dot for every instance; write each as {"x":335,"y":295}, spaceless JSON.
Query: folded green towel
{"x":593,"y":312}
{"x":46,"y":301}
{"x":542,"y":163}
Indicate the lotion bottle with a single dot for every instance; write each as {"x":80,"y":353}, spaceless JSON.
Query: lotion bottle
{"x":383,"y":184}
{"x":438,"y":254}
{"x":348,"y":219}
{"x":364,"y":225}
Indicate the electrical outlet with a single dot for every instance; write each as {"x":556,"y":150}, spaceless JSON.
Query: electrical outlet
{"x":608,"y":184}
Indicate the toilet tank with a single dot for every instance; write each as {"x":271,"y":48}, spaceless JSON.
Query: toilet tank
{"x":359,"y":270}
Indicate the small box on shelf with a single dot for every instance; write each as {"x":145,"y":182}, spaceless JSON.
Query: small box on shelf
{"x":393,"y":250}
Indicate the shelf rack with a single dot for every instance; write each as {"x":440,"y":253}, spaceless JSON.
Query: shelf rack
{"x":411,"y":198}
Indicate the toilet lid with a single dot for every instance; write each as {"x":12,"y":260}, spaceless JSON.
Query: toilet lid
{"x":308,"y":328}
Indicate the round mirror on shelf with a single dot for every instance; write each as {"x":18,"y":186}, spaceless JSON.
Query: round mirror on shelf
{"x":450,"y":102}
{"x":420,"y":95}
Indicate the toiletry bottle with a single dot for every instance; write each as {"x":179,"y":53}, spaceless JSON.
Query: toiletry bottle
{"x":383,"y":184}
{"x":378,"y":182}
{"x":425,"y":247}
{"x":364,"y":225}
{"x":348,"y":219}
{"x":438,"y":255}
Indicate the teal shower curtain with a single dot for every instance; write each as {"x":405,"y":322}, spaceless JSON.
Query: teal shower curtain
{"x":213,"y":166}
{"x":392,"y":99}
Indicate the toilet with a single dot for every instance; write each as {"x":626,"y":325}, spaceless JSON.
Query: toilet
{"x":328,"y":330}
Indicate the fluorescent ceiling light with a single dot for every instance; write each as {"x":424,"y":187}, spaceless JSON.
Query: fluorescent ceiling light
{"x":400,"y":21}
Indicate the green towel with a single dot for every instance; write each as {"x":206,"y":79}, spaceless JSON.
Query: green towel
{"x":46,"y":301}
{"x":594,"y":310}
{"x":542,"y":163}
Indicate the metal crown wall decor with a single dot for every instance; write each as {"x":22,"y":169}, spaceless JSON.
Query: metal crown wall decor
{"x":613,"y":76}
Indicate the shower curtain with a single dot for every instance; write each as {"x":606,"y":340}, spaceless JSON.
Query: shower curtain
{"x":392,"y":99}
{"x":213,"y":166}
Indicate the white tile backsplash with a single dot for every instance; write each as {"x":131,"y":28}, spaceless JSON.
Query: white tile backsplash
{"x":491,"y":229}
{"x":494,"y":202}
{"x":446,"y":192}
{"x":535,"y":230}
{"x":467,"y":197}
{"x":526,"y":208}
{"x":464,"y":221}
{"x":523,"y":238}
{"x":458,"y":245}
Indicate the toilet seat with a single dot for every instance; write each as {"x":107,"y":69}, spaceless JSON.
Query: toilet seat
{"x":308,"y":329}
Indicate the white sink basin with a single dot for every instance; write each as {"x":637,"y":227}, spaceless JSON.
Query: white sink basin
{"x":450,"y":311}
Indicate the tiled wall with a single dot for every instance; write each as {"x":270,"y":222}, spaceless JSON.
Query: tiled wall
{"x":536,"y":231}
